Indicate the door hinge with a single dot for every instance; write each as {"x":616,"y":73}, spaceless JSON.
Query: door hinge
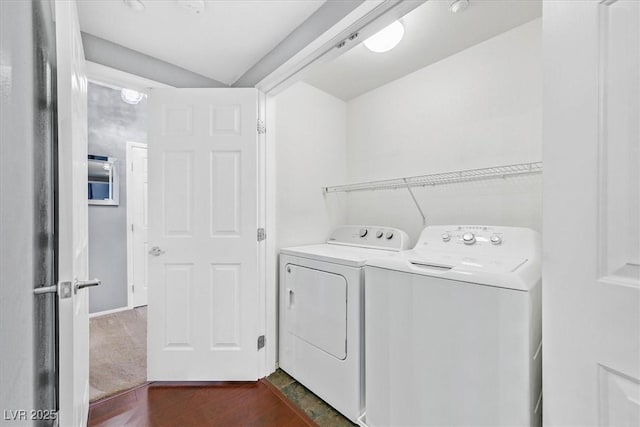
{"x":132,"y":227}
{"x":260,"y":342}
{"x":133,"y":288}
{"x":262,"y":128}
{"x":262,"y":235}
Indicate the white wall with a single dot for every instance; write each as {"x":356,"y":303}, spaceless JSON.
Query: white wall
{"x":27,"y":243}
{"x":478,"y":108}
{"x":310,"y":153}
{"x":17,"y":196}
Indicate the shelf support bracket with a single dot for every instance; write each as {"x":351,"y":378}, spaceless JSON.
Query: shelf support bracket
{"x":424,"y":218}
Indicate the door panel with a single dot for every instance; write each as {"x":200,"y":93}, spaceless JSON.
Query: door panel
{"x":73,"y":320}
{"x":203,"y":302}
{"x":178,"y":287}
{"x":225,"y":193}
{"x":591,"y":277}
{"x":224,"y":293}
{"x":177,"y":186}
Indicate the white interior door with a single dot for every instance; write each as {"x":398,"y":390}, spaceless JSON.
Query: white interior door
{"x":137,"y":202}
{"x":203,"y":293}
{"x":73,"y":318}
{"x":591,"y":275}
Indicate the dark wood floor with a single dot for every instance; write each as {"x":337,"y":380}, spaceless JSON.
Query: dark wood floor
{"x":202,"y":404}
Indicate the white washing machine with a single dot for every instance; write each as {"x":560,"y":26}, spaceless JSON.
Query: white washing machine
{"x":321,"y":319}
{"x":453,"y":330}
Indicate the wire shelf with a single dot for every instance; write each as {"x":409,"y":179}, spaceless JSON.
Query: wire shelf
{"x":495,"y":172}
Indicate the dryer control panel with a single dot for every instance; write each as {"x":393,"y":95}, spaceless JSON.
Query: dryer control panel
{"x":370,"y":236}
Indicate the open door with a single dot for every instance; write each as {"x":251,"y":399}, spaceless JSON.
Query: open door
{"x":591,"y":237}
{"x":203,"y":189}
{"x":73,"y":301}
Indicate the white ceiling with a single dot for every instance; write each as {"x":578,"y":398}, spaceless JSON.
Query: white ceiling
{"x":432,"y":33}
{"x":221,"y":43}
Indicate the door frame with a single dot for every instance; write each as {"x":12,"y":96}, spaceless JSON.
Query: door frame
{"x":110,"y":77}
{"x":71,"y":217}
{"x":593,"y":378}
{"x":364,"y":21}
{"x":129,"y":163}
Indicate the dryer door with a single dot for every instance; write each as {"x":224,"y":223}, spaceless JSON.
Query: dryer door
{"x":316,"y":302}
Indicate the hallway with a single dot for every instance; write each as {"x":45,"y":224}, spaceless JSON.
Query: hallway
{"x":118,"y":352}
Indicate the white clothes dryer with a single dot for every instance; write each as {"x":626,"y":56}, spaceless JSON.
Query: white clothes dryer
{"x":453,"y":330}
{"x":321,"y":318}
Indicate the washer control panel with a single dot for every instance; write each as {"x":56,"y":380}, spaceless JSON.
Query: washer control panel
{"x":468,"y":235}
{"x":476,"y":239}
{"x":370,"y":236}
{"x":477,"y":248}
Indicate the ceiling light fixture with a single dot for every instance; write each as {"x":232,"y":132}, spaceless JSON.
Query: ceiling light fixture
{"x":131,"y":96}
{"x":459,"y":6}
{"x":385,"y":39}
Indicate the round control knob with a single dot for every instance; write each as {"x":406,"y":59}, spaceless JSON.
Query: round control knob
{"x":468,"y":238}
{"x":495,"y":239}
{"x":446,"y":237}
{"x":363,"y":232}
{"x":389,"y":235}
{"x":379,"y":234}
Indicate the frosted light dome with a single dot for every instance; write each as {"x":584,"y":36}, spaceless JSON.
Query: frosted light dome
{"x":385,"y":39}
{"x":131,"y":96}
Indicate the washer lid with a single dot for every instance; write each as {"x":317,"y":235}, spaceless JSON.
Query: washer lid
{"x":506,"y":257}
{"x":351,"y":256}
{"x":511,"y":273}
{"x":447,"y":261}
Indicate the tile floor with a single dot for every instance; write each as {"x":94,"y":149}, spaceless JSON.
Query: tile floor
{"x":319,"y":411}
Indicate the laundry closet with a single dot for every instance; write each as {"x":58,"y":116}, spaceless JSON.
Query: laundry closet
{"x":444,"y":131}
{"x":460,"y":91}
{"x":354,"y":212}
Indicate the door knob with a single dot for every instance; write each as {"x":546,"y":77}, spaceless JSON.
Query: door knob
{"x":81,"y":284}
{"x":156,"y":251}
{"x":64,"y":288}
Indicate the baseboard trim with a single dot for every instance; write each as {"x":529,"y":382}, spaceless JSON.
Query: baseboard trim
{"x":102,"y":313}
{"x":117,"y":394}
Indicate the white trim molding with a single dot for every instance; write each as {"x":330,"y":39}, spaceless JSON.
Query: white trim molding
{"x":128,"y":160}
{"x":362,"y":22}
{"x":107,"y":76}
{"x":112,"y":311}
